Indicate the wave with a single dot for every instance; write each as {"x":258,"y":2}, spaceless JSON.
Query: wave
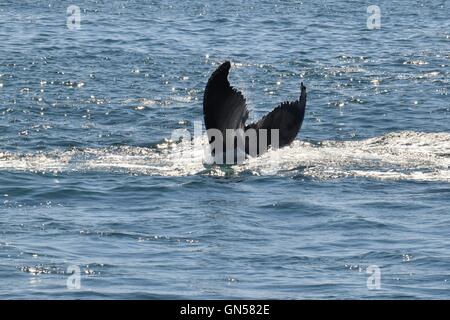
{"x":404,"y":155}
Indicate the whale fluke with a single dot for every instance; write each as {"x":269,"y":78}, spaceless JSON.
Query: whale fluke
{"x":224,"y":107}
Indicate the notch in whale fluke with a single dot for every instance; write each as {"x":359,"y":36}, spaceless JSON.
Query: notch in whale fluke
{"x":224,"y":107}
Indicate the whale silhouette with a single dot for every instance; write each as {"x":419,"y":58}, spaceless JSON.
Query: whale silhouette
{"x":225,"y":109}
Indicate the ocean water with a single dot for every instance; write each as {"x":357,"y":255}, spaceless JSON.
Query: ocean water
{"x":92,"y":181}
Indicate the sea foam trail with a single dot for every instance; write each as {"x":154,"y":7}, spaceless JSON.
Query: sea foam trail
{"x":394,"y":156}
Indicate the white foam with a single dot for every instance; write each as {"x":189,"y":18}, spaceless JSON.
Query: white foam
{"x":395,"y":156}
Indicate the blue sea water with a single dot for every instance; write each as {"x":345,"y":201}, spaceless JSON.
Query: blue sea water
{"x":90,"y":176}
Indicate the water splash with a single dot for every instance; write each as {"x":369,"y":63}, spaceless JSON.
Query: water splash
{"x":395,"y":156}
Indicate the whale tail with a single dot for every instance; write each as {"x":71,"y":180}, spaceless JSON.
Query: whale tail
{"x":224,"y":107}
